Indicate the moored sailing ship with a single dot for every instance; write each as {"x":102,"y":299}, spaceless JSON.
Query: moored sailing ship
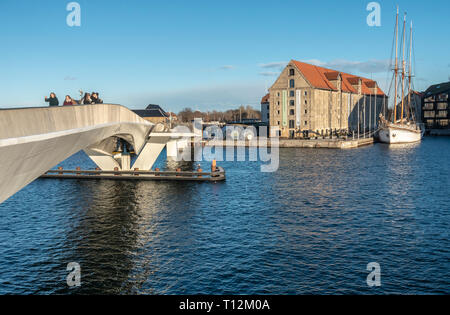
{"x":403,"y":129}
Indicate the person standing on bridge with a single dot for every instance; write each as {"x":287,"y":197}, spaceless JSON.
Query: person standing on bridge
{"x":68,"y":101}
{"x":87,"y":99}
{"x":96,"y":99}
{"x":53,"y":100}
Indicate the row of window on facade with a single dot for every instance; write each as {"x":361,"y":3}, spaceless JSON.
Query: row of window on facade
{"x":292,"y":112}
{"x":437,"y":123}
{"x":292,"y":93}
{"x":292,"y":124}
{"x":432,"y":114}
{"x":430,"y":106}
{"x":292,"y":103}
{"x":439,"y":97}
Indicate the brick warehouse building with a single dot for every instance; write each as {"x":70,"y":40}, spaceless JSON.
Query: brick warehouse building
{"x":310,"y":98}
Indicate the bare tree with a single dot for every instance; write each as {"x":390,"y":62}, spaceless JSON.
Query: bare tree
{"x":244,"y":112}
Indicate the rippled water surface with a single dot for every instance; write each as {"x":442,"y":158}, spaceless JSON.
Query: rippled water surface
{"x":311,"y":227}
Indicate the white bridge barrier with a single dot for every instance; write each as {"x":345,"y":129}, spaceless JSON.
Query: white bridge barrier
{"x":33,"y":140}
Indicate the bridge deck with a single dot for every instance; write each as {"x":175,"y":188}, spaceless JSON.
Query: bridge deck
{"x":33,"y":140}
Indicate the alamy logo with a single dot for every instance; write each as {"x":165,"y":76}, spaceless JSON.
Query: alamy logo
{"x":74,"y":17}
{"x":74,"y":277}
{"x":374,"y":277}
{"x":374,"y":17}
{"x":231,"y":143}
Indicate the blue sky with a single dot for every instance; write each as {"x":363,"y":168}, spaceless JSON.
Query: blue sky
{"x":202,"y":54}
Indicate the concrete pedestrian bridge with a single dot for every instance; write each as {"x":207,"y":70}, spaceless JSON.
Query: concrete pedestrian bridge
{"x":33,"y":140}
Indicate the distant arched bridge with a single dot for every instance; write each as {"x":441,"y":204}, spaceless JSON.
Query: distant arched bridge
{"x":33,"y":140}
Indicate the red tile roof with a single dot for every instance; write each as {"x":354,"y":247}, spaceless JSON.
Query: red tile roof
{"x":320,"y":78}
{"x":353,"y":80}
{"x":349,"y":82}
{"x":371,"y":84}
{"x":333,"y":75}
{"x":265,"y":99}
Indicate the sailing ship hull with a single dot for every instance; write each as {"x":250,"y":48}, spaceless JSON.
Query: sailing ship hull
{"x":393,"y":135}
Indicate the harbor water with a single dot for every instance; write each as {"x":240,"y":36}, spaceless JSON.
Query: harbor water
{"x":312,"y":227}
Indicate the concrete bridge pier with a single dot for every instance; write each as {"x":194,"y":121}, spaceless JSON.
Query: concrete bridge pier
{"x":175,"y":148}
{"x":172,"y":150}
{"x":103,"y":154}
{"x":152,"y":149}
{"x":172,"y":141}
{"x":103,"y":160}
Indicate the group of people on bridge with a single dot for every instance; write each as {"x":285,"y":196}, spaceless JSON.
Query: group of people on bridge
{"x":87,"y":99}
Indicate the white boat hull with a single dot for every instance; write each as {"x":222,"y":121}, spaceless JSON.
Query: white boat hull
{"x":392,"y":135}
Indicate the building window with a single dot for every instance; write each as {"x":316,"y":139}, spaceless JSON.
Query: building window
{"x":268,"y":116}
{"x":443,"y":123}
{"x":292,"y":83}
{"x":291,"y":124}
{"x":278,"y":112}
{"x":306,"y":112}
{"x":306,"y":93}
{"x":306,"y":102}
{"x":441,"y":105}
{"x":291,"y":112}
{"x":278,"y":123}
{"x":291,"y":93}
{"x":268,"y":106}
{"x":428,"y":106}
{"x":278,"y":94}
{"x":292,"y":103}
{"x":306,"y":123}
{"x":291,"y":72}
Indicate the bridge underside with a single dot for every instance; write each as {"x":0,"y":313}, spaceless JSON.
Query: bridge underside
{"x":34,"y":140}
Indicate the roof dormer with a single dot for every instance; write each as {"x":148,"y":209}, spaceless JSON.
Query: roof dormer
{"x":356,"y":83}
{"x":372,"y":86}
{"x":335,"y":78}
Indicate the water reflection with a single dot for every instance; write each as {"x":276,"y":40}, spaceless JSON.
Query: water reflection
{"x":402,"y":145}
{"x":115,"y":222}
{"x":311,"y":227}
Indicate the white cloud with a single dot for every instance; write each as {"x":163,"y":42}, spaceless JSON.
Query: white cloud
{"x":269,"y":74}
{"x":69,"y":78}
{"x":316,"y":62}
{"x":272,"y":65}
{"x":227,"y":67}
{"x":279,"y":65}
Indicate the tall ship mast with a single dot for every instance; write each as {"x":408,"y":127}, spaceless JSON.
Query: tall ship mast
{"x":403,"y":67}
{"x":410,"y":75}
{"x":405,"y":129}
